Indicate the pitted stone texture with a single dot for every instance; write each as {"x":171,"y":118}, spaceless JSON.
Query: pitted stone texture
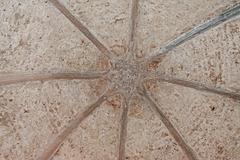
{"x":36,"y":37}
{"x":161,"y":21}
{"x":212,"y":58}
{"x":108,"y":20}
{"x":125,"y":75}
{"x":148,"y":138}
{"x":209,"y":123}
{"x":31,"y":115}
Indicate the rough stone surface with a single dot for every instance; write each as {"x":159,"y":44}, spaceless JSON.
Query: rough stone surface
{"x":209,"y":123}
{"x":107,"y":19}
{"x":212,"y":57}
{"x":148,"y":138}
{"x":126,"y":76}
{"x":35,"y":37}
{"x":161,"y":21}
{"x":97,"y":137}
{"x":32,"y":114}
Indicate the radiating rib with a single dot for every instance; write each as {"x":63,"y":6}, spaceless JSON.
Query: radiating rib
{"x":133,"y":24}
{"x":123,"y":131}
{"x":11,"y":78}
{"x":53,"y":147}
{"x":81,"y":27}
{"x":199,"y":86}
{"x":198,"y":30}
{"x":176,"y":135}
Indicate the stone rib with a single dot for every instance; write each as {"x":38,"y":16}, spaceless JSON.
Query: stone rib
{"x":53,"y":147}
{"x":231,"y":13}
{"x":123,"y":132}
{"x":176,"y":135}
{"x":133,"y":24}
{"x":81,"y":27}
{"x":200,"y":86}
{"x":11,"y":78}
